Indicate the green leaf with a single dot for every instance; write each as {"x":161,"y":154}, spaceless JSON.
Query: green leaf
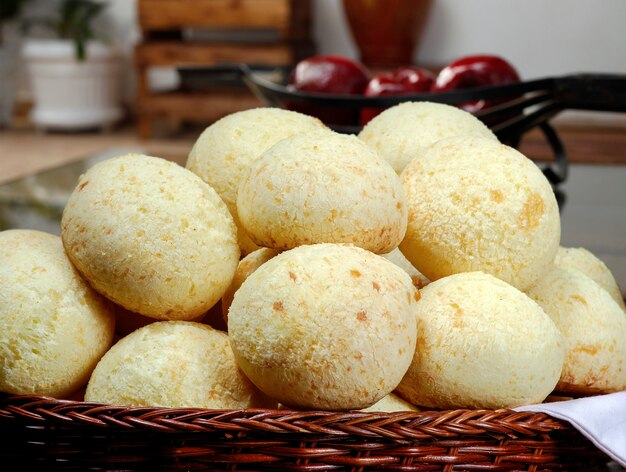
{"x":75,"y":22}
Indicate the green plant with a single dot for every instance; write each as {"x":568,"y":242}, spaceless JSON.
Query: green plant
{"x":74,"y":22}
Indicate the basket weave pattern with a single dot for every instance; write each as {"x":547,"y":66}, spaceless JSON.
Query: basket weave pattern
{"x":61,"y":434}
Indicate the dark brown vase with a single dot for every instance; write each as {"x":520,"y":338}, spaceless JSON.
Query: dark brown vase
{"x":386,"y":31}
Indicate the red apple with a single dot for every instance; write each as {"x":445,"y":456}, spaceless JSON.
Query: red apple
{"x":403,"y":80}
{"x":475,"y":71}
{"x":329,"y":74}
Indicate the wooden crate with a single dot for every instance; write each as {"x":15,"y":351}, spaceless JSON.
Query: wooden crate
{"x":163,"y":23}
{"x":176,"y":14}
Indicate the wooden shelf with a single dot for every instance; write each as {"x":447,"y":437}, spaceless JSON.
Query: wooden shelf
{"x":177,"y":14}
{"x":583,"y":145}
{"x":171,"y":53}
{"x":205,"y":106}
{"x":158,"y":19}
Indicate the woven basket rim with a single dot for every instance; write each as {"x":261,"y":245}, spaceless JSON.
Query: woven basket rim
{"x":78,"y":435}
{"x":438,"y":424}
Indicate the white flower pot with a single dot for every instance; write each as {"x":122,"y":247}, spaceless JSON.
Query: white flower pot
{"x":70,"y":94}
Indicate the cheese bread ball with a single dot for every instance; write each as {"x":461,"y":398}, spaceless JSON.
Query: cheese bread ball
{"x":593,"y":326}
{"x":390,"y":404}
{"x":481,"y":343}
{"x":325,"y":326}
{"x":396,"y":256}
{"x":173,"y":364}
{"x":588,"y":263}
{"x":225,"y":150}
{"x":151,"y":236}
{"x":322,"y":187}
{"x":403,"y":132}
{"x":246,"y":266}
{"x":477,"y":205}
{"x":54,"y":328}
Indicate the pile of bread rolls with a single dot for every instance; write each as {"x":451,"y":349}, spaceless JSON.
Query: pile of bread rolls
{"x":417,"y":265}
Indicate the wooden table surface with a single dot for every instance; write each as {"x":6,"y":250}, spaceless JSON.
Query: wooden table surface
{"x":24,"y":152}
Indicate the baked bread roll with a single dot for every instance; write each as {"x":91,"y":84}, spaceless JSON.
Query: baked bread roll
{"x":396,"y":256}
{"x":403,"y":132}
{"x":477,"y":205}
{"x":481,"y":343}
{"x":390,"y":404}
{"x":322,"y":187}
{"x":173,"y":364}
{"x":223,"y":153}
{"x":593,"y":326}
{"x":151,"y":236}
{"x":246,"y":266}
{"x":325,"y":326}
{"x":588,"y":263}
{"x":54,"y":328}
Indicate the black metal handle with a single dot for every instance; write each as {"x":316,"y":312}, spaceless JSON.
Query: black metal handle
{"x":528,"y":104}
{"x":601,"y":92}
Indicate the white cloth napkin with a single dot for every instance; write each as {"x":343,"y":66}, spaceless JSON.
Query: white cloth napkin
{"x":601,"y":418}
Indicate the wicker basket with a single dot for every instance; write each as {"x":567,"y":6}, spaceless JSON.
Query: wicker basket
{"x":42,"y":433}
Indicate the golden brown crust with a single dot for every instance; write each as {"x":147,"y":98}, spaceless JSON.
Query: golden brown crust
{"x":310,"y":328}
{"x":151,"y":236}
{"x":593,"y":326}
{"x":588,"y":263}
{"x":322,"y":187}
{"x":481,"y":344}
{"x":455,"y":225}
{"x":173,"y":364}
{"x":224,"y":152}
{"x":54,"y":328}
{"x":246,"y":266}
{"x":404,"y":132}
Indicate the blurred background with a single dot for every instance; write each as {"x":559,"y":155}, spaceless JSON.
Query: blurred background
{"x":146,"y":43}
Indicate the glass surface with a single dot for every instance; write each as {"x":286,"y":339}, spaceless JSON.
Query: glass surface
{"x":593,"y":210}
{"x":37,"y":201}
{"x":593,"y":215}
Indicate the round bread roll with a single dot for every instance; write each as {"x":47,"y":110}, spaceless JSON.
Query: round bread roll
{"x":390,"y":404}
{"x":396,"y":256}
{"x":481,"y":343}
{"x":223,"y":153}
{"x":322,"y":187}
{"x":54,"y":328}
{"x":151,"y":236}
{"x":246,"y":266}
{"x":588,"y":263}
{"x":173,"y":364}
{"x":325,"y":326}
{"x":477,"y":205}
{"x":593,"y":326}
{"x":403,"y":132}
